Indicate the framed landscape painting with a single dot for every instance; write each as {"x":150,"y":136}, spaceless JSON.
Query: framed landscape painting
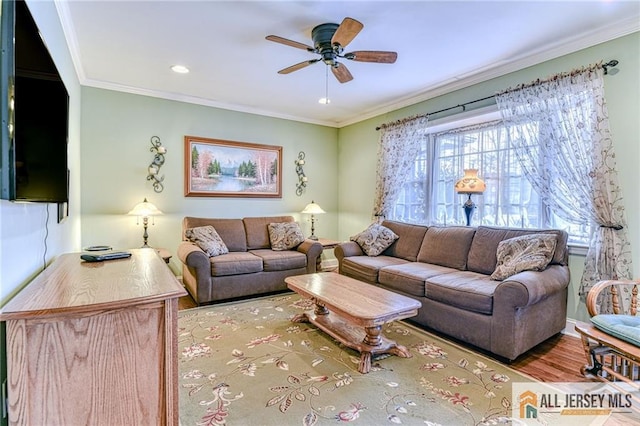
{"x":219,"y":168}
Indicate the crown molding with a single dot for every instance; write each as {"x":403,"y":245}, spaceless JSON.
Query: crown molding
{"x":64,"y":15}
{"x":99,"y":84}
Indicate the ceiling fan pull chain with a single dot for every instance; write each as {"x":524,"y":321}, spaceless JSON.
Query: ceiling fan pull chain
{"x":326,"y":85}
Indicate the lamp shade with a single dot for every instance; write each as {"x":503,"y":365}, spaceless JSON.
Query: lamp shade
{"x":145,"y":209}
{"x":470,"y":183}
{"x":313,"y":208}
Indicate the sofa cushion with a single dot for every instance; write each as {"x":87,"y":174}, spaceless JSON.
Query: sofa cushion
{"x":235,"y":263}
{"x":531,"y":252}
{"x":257,"y":231}
{"x":365,"y":268}
{"x":375,"y":239}
{"x":410,"y":277}
{"x":625,"y":327}
{"x":285,"y":235}
{"x":273,"y":260}
{"x":484,"y":247}
{"x":207,"y":239}
{"x":409,"y":239}
{"x":230,"y":230}
{"x":467,"y":290}
{"x":446,"y":246}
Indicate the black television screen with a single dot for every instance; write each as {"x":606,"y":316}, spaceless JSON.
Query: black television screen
{"x":38,"y":170}
{"x":7,"y":186}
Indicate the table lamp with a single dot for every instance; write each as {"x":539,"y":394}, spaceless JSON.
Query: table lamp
{"x":312,"y":208}
{"x":144,"y":210}
{"x":469,"y":184}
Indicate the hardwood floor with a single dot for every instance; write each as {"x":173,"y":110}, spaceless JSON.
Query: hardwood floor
{"x":186,"y":302}
{"x":558,"y":359}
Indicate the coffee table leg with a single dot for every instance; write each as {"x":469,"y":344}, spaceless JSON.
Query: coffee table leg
{"x":321,"y":309}
{"x":304,"y":317}
{"x":300,"y":318}
{"x":365,"y":362}
{"x":373,"y":337}
{"x":401,"y":351}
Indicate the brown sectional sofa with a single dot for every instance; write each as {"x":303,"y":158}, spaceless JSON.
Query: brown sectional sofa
{"x":250,"y":268}
{"x":448,"y":270}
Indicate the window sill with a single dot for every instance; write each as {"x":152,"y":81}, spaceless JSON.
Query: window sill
{"x":578,"y":250}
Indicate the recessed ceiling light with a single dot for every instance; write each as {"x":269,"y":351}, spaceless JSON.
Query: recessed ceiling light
{"x":180,"y":69}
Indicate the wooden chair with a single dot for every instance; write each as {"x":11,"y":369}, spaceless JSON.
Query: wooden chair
{"x":610,"y":358}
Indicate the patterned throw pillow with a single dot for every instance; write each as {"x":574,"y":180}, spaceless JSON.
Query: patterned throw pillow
{"x":285,"y":235}
{"x":207,"y":239}
{"x":375,"y":239}
{"x":531,"y":252}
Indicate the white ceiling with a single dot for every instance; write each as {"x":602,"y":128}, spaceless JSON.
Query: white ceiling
{"x":442,"y":46}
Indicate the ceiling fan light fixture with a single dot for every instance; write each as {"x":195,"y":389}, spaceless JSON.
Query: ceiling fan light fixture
{"x":329,"y":41}
{"x":180,"y":69}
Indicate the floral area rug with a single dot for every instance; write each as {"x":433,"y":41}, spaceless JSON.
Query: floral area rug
{"x":246,"y":363}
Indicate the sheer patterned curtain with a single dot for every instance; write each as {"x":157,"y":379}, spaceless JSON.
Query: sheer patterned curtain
{"x":399,"y":146}
{"x":560,"y":130}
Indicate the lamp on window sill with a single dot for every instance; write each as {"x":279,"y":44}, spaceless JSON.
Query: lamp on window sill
{"x":144,"y":210}
{"x":470,"y":184}
{"x":312,"y":208}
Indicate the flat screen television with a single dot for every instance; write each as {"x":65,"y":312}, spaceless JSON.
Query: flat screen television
{"x":35,"y":108}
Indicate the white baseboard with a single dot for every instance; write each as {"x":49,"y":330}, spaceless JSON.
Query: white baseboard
{"x":570,"y":329}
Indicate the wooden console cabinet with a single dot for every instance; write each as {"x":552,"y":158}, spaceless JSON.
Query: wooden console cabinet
{"x":95,"y":344}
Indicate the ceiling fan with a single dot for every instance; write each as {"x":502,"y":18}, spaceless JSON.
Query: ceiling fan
{"x":329,"y":41}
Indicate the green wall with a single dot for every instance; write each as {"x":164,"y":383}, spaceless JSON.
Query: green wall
{"x":116,"y":128}
{"x":357,"y":148}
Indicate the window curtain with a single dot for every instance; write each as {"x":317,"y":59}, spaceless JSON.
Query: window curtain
{"x":560,"y":130}
{"x":398,"y":147}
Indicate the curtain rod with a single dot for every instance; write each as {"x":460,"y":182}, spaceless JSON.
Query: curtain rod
{"x":611,"y":63}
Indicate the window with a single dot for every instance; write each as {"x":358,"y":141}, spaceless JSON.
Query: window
{"x":428,"y":197}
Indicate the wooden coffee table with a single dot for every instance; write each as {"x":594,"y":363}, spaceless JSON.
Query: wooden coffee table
{"x":360,"y":310}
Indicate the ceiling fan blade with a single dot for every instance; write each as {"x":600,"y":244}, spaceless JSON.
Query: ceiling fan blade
{"x":288,"y":42}
{"x":347,"y":31}
{"x":341,"y":72}
{"x":296,"y":67}
{"x":372,"y":56}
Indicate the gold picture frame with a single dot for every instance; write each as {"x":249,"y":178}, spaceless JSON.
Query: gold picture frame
{"x":221,"y":168}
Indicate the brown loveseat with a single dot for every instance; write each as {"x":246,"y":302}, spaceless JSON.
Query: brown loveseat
{"x":448,"y":270}
{"x":250,"y":268}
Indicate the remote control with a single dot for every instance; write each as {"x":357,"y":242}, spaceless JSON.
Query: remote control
{"x":106,"y":256}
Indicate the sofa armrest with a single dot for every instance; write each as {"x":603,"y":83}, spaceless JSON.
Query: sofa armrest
{"x":185,"y":251}
{"x":312,"y":249}
{"x":529,"y":287}
{"x":528,"y":308}
{"x":347,"y":249}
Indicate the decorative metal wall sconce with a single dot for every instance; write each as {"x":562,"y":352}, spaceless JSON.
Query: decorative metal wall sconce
{"x":158,"y":161}
{"x":302,"y":178}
